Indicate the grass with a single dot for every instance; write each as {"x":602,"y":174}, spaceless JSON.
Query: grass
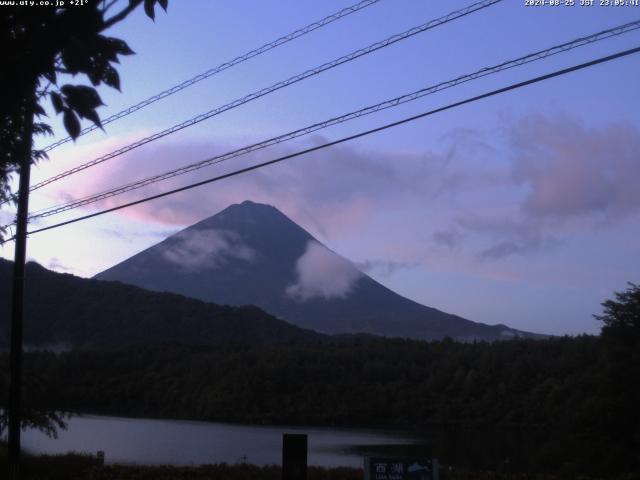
{"x":219,"y":472}
{"x":74,"y":466}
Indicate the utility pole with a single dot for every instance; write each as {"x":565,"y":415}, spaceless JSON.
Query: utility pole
{"x":17,"y":305}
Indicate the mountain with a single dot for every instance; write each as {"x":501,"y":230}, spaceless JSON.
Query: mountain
{"x":63,"y":311}
{"x":252,"y":253}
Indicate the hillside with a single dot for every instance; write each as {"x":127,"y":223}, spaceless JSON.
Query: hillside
{"x":63,"y":310}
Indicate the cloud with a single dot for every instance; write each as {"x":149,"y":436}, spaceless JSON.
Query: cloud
{"x":523,"y":246}
{"x":507,"y":236}
{"x":547,"y":178}
{"x":451,"y":237}
{"x":334,"y":190}
{"x":56,"y":265}
{"x":131,"y":236}
{"x":199,"y":249}
{"x":554,"y":177}
{"x":322,"y":274}
{"x":574,"y":171}
{"x":383,"y":268}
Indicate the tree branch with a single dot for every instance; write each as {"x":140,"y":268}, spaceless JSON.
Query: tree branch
{"x":44,"y":91}
{"x":108,"y":6}
{"x":118,"y":17}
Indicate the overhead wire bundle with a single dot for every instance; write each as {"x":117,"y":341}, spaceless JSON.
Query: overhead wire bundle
{"x":223,"y":66}
{"x":454,"y":15}
{"x":390,"y":103}
{"x":408,"y":97}
{"x":213,"y":71}
{"x":476,"y":98}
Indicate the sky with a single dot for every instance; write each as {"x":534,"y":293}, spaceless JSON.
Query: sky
{"x":521,"y":209}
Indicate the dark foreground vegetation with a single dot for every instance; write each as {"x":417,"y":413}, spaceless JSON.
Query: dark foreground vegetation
{"x":66,"y":311}
{"x":563,"y":406}
{"x":566,"y":405}
{"x":85,"y":467}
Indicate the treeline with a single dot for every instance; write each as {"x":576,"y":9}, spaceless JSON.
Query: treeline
{"x":577,"y":397}
{"x":65,"y":310}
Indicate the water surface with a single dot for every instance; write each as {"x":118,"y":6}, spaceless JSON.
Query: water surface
{"x":178,"y":442}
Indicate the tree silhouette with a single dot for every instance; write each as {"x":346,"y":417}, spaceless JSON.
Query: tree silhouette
{"x":623,"y":313}
{"x":38,"y":45}
{"x":621,"y":369}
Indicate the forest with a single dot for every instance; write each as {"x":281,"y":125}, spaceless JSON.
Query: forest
{"x":563,"y":405}
{"x":572,"y":401}
{"x":69,"y":311}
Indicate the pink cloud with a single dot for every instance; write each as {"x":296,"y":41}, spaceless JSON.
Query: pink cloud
{"x":552,"y":179}
{"x":333,"y":190}
{"x":571,"y":170}
{"x":562,"y":179}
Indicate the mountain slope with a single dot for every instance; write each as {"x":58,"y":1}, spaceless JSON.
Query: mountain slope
{"x":253,"y":254}
{"x":64,"y":310}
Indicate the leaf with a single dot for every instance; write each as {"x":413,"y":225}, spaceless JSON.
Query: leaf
{"x":149,"y":9}
{"x":106,"y":49}
{"x":164,"y":4}
{"x":75,"y":56}
{"x":39,"y":111}
{"x":83,"y":100}
{"x":110,"y":77}
{"x":37,"y":155}
{"x":56,"y":101}
{"x":71,"y":123}
{"x":93,"y":116}
{"x":120,"y":46}
{"x":50,"y":75}
{"x":81,"y":97}
{"x":94,"y":77}
{"x":39,"y":128}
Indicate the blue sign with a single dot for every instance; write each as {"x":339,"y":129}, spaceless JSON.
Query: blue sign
{"x":401,"y":468}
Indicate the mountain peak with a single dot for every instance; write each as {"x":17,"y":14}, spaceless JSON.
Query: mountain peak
{"x":249,"y":207}
{"x":246,"y":208}
{"x":249,"y":203}
{"x":252,"y":253}
{"x":249,"y":219}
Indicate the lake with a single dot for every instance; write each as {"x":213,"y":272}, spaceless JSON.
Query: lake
{"x":177,"y":442}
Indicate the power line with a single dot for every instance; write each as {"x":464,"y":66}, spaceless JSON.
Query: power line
{"x":277,"y":86}
{"x":514,"y":86}
{"x":224,"y":66}
{"x":539,"y":55}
